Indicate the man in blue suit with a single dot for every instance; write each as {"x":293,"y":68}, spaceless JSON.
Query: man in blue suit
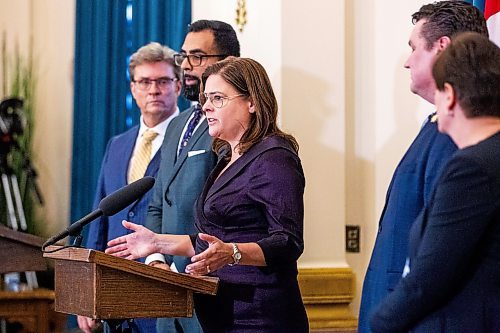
{"x":417,"y":173}
{"x":155,"y":85}
{"x":453,"y":282}
{"x":187,"y":157}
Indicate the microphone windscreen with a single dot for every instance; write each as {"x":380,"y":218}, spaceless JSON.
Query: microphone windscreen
{"x":123,"y":197}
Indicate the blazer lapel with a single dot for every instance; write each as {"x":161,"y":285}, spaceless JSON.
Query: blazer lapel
{"x":243,"y":161}
{"x":154,"y":165}
{"x":183,"y":156}
{"x":125,"y":151}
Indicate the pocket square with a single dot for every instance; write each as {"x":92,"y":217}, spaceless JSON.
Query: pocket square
{"x":195,"y":152}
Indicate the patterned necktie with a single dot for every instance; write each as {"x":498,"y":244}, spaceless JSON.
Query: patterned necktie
{"x":190,"y":128}
{"x":142,"y":156}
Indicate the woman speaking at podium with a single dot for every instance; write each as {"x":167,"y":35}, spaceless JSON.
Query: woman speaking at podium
{"x":249,"y":215}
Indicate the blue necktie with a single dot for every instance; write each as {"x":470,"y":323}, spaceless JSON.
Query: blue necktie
{"x":190,"y":128}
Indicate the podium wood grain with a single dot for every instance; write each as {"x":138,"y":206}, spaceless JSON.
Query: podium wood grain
{"x":100,"y":286}
{"x":20,"y":252}
{"x":27,"y":305}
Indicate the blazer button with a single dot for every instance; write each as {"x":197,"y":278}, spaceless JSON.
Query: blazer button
{"x":131,"y":214}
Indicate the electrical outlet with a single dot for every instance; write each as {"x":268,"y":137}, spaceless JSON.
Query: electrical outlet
{"x":352,"y":238}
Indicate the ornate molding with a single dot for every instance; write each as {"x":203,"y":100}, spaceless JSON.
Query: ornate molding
{"x":327,"y":293}
{"x":241,"y":14}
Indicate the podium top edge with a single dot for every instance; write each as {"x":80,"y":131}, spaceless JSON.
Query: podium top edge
{"x":204,"y":284}
{"x":21,"y":237}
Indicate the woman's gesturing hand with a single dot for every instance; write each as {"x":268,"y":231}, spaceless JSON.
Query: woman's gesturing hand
{"x":138,"y":244}
{"x":216,"y":256}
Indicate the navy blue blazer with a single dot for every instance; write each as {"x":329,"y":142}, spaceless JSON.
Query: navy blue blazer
{"x":180,"y":181}
{"x":454,"y":281}
{"x":410,"y":189}
{"x":112,"y":177}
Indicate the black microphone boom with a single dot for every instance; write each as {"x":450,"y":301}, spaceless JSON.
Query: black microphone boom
{"x":108,"y":206}
{"x":123,"y":197}
{"x":73,"y":229}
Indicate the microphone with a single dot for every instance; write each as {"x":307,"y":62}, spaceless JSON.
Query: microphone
{"x":108,"y":206}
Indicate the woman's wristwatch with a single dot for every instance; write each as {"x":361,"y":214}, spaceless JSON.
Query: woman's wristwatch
{"x":236,"y":255}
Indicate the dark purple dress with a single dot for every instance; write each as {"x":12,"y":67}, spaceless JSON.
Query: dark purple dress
{"x":257,"y":199}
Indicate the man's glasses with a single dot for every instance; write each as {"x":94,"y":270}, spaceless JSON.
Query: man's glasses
{"x":162,"y":83}
{"x":194,"y":60}
{"x":217,"y":100}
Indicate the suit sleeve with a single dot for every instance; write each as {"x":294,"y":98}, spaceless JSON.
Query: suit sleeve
{"x":277,"y":186}
{"x":442,"y":150}
{"x":459,"y":214}
{"x":154,"y":218}
{"x":98,"y":229}
{"x":155,"y":208}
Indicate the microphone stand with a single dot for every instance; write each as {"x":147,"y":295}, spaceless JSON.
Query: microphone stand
{"x":31,"y":176}
{"x":77,"y":241}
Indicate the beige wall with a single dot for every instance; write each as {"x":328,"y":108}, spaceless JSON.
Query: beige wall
{"x":384,"y":116}
{"x":337,"y":68}
{"x":311,"y":98}
{"x":51,"y":25}
{"x":261,"y":36}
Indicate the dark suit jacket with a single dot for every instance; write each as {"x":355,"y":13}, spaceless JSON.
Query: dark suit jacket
{"x":410,"y":189}
{"x":454,"y":281}
{"x":113,"y":176}
{"x":180,"y":181}
{"x":258,"y":199}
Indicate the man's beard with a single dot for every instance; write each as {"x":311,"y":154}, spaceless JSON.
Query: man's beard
{"x":192,"y":92}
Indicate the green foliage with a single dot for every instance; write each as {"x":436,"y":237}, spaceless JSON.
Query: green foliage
{"x":19,"y":81}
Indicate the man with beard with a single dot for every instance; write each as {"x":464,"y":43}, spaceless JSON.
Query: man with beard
{"x":187,"y":157}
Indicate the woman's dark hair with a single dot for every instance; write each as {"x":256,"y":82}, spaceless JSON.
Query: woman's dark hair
{"x":471,"y":65}
{"x":249,"y":78}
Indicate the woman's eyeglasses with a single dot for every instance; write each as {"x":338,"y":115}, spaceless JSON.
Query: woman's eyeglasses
{"x":217,"y":100}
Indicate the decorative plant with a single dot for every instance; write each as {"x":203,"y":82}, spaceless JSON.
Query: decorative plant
{"x":19,"y":81}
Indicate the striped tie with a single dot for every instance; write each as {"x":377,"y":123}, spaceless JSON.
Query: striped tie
{"x":142,"y":156}
{"x":191,"y":127}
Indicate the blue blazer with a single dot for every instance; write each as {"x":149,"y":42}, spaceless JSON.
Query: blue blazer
{"x":410,"y":189}
{"x":113,"y":176}
{"x":180,"y":181}
{"x":454,"y":279}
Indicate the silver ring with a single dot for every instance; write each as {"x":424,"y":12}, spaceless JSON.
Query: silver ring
{"x":208,"y":269}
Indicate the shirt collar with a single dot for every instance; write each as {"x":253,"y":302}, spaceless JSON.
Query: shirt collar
{"x":160,"y":128}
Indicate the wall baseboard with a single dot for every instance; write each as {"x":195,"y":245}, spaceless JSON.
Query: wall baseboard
{"x":327,"y":293}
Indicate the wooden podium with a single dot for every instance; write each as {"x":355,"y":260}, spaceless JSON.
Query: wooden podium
{"x":93,"y":284}
{"x":20,"y":252}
